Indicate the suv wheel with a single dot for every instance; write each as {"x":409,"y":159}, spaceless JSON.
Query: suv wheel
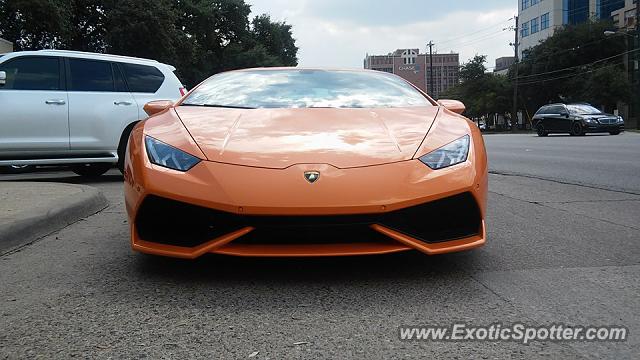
{"x":540,"y":130}
{"x":122,"y":146}
{"x":576,"y":129}
{"x":91,"y":170}
{"x":616,"y":132}
{"x":16,"y":169}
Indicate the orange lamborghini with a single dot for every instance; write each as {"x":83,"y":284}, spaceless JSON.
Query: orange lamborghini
{"x":305,"y":162}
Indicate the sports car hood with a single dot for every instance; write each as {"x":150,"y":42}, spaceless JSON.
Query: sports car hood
{"x":279,"y":138}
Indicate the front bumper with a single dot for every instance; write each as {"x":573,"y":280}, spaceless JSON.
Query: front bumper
{"x":596,"y":128}
{"x":246,"y":211}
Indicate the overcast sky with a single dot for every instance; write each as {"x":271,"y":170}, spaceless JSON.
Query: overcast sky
{"x":338,"y":33}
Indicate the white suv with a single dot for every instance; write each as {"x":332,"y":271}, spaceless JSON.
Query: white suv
{"x":68,"y":107}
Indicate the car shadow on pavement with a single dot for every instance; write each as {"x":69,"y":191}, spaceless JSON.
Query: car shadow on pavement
{"x":66,"y":177}
{"x":221,"y":269}
{"x":265,"y":285}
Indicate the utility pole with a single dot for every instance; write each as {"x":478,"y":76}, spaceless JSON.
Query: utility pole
{"x":514,"y":113}
{"x":431,"y":86}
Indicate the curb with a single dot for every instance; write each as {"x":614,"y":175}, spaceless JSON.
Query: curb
{"x":50,"y":218}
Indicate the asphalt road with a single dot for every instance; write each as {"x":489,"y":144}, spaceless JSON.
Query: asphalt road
{"x":557,"y":253}
{"x":600,"y":160}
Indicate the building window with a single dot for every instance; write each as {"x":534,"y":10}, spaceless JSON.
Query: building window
{"x":533,"y":2}
{"x":544,"y":21}
{"x":534,"y":25}
{"x":525,"y":4}
{"x":409,"y":57}
{"x":524,"y":31}
{"x":409,"y":60}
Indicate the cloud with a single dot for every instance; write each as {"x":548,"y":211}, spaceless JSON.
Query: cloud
{"x":330,"y":37}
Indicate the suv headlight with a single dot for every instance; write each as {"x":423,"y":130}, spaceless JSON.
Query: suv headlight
{"x":168,"y":156}
{"x":453,"y":153}
{"x":620,"y":120}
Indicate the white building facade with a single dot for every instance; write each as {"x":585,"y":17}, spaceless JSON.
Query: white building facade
{"x":539,"y":19}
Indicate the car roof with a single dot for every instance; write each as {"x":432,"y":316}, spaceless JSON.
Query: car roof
{"x":574,"y":103}
{"x":89,"y":55}
{"x":304,"y":68}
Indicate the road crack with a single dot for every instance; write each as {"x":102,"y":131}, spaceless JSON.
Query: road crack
{"x":544,"y":204}
{"x":564,"y":182}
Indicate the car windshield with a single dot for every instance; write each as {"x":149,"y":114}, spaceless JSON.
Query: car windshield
{"x":299,"y":88}
{"x":583,"y":109}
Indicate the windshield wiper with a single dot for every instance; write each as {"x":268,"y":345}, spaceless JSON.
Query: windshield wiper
{"x":219,"y":106}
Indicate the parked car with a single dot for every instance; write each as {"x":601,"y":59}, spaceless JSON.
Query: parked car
{"x":76,"y":108}
{"x":575,"y":119}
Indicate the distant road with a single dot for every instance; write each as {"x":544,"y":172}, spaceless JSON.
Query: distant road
{"x":603,"y":161}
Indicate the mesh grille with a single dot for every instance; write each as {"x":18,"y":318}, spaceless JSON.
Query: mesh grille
{"x":171,"y":222}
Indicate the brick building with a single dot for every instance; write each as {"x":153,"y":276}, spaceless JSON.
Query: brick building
{"x":414,"y":67}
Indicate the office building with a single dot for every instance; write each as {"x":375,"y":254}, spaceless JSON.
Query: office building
{"x":414,"y":67}
{"x":503,"y":64}
{"x":539,"y":19}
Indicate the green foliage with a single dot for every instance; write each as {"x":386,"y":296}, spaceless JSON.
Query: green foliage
{"x":482,"y":93}
{"x":199,"y":37}
{"x":577,"y":64}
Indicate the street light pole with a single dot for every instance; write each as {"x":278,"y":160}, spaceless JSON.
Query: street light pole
{"x":631,"y":68}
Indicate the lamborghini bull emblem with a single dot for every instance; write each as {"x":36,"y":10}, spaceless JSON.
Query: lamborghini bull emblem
{"x":311,"y":176}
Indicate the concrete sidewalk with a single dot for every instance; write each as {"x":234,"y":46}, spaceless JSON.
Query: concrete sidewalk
{"x":31,"y":210}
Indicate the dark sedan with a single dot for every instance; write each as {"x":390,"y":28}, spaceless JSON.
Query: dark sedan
{"x":575,"y":119}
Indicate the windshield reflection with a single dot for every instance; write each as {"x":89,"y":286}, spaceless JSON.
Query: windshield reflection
{"x":298,"y":88}
{"x":583,"y":109}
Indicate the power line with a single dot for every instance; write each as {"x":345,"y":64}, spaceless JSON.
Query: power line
{"x":537,"y":58}
{"x":476,"y":32}
{"x":579,"y":66}
{"x":568,"y":76}
{"x":485,"y":38}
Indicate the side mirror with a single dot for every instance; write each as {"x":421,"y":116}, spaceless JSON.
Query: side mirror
{"x":154,"y":107}
{"x":3,"y":78}
{"x":453,"y":105}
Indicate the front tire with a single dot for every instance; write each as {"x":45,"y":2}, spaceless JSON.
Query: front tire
{"x":577,"y":129}
{"x":91,"y":170}
{"x":16,"y":169}
{"x":541,"y":131}
{"x":122,"y":146}
{"x":617,"y":132}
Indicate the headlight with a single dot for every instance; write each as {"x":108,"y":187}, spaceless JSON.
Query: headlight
{"x":453,"y":153}
{"x":166,"y":155}
{"x":591,"y":121}
{"x":620,"y":120}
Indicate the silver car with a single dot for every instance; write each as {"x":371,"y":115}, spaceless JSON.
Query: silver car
{"x":76,"y":108}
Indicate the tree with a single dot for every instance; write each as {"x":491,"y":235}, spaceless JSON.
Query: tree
{"x":577,"y":64}
{"x":482,"y":93}
{"x":34,"y":24}
{"x":141,"y":28}
{"x":199,"y":37}
{"x":277,"y":39}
